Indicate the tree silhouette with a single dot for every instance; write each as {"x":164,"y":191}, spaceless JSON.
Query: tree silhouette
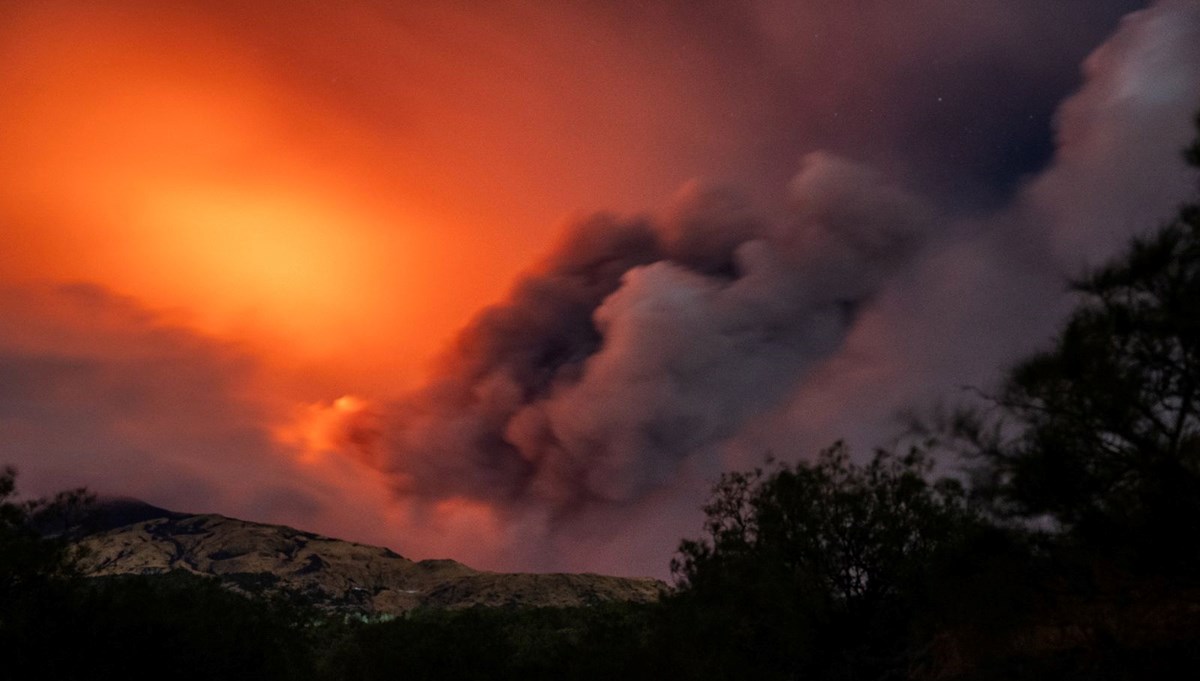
{"x":836,"y":570}
{"x":1107,"y":421}
{"x":33,"y":546}
{"x":814,"y":569}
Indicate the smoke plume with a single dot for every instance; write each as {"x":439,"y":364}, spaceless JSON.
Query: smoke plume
{"x":638,"y":345}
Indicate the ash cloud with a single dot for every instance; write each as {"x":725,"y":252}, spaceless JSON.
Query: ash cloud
{"x":639,"y":345}
{"x":1120,"y":137}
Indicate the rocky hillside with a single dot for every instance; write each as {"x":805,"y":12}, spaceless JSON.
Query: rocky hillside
{"x":333,"y":574}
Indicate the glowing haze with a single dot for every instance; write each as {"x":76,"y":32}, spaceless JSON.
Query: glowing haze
{"x":514,"y":282}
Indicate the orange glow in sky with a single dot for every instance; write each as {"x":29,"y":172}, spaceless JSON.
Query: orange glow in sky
{"x":341,"y":190}
{"x":178,"y":184}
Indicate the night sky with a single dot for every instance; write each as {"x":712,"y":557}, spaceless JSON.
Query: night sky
{"x":514,"y":282}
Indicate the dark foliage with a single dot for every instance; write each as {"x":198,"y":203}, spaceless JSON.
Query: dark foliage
{"x":33,"y":548}
{"x":815,"y":570}
{"x":1103,"y":431}
{"x":598,"y":642}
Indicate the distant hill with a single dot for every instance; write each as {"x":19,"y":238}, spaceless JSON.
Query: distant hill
{"x":335,"y":575}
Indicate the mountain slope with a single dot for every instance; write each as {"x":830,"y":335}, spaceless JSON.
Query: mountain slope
{"x":333,"y":574}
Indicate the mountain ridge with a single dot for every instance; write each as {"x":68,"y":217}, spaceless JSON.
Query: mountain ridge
{"x":335,"y":575}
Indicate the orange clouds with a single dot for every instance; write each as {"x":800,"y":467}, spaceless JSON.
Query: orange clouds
{"x":348,"y":424}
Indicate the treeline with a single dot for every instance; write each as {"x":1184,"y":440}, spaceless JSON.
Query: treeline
{"x":1067,"y":547}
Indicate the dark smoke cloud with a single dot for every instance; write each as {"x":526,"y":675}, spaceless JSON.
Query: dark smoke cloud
{"x":640,"y":344}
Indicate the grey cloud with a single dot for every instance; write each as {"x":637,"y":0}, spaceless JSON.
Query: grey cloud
{"x":639,"y":345}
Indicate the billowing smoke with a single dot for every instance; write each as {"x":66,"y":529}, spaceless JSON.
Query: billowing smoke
{"x":639,"y":344}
